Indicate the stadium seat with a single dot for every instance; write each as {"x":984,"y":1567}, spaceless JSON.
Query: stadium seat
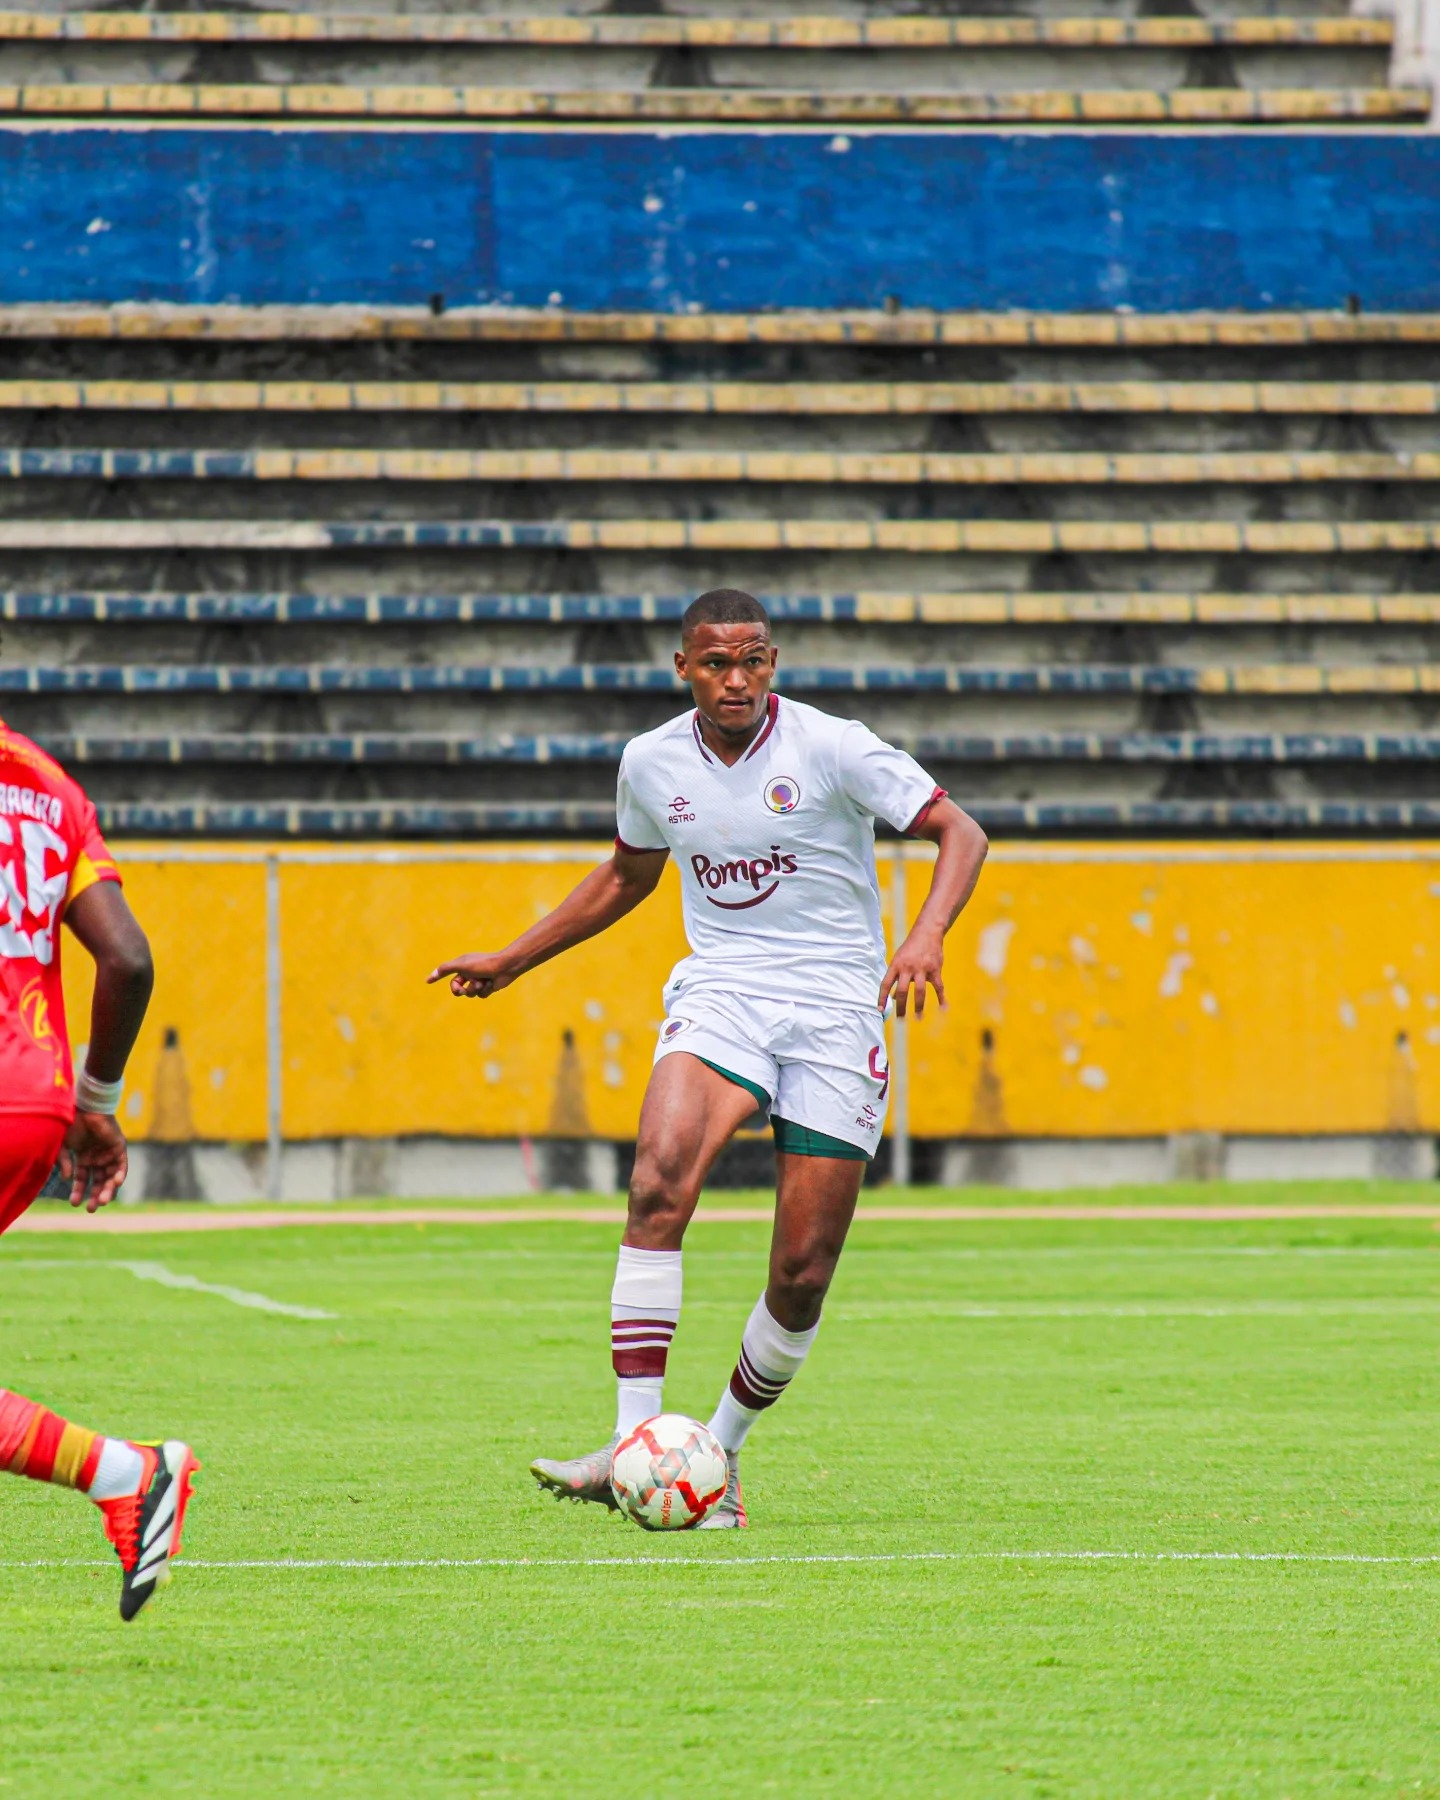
{"x":895,"y":468}
{"x":743,"y":536}
{"x":797,"y":69}
{"x":363,"y":570}
{"x":973,"y":608}
{"x":606,"y":747}
{"x":759,"y":398}
{"x":134,"y":323}
{"x":797,"y":678}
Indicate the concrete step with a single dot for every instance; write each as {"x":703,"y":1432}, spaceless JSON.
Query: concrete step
{"x":618,"y":679}
{"x":620,"y":465}
{"x":760,"y":399}
{"x":457,"y":749}
{"x":859,"y":105}
{"x":830,"y":29}
{"x":769,"y":536}
{"x":139,"y":322}
{"x":937,"y":609}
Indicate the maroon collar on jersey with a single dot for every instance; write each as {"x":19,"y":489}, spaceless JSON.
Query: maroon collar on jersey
{"x":772,"y":712}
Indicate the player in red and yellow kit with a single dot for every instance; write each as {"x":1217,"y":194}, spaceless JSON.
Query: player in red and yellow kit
{"x":54,"y":868}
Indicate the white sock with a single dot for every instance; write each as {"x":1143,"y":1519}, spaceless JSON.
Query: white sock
{"x":635,"y":1401}
{"x":120,"y":1471}
{"x":770,"y":1358}
{"x":732,"y":1422}
{"x":644,"y":1311}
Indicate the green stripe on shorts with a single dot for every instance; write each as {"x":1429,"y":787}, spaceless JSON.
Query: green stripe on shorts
{"x":757,"y":1094}
{"x":800,"y":1140}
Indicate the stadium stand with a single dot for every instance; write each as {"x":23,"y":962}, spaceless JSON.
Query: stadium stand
{"x":1255,"y":68}
{"x":356,"y":570}
{"x":324,"y":570}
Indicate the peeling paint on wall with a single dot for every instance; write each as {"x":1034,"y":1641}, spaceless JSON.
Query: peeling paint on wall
{"x":994,"y":948}
{"x":723,"y":220}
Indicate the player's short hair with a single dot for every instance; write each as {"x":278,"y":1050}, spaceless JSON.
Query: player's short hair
{"x":724,"y":606}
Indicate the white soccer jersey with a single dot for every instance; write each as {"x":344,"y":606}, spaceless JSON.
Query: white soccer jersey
{"x":776,"y":853}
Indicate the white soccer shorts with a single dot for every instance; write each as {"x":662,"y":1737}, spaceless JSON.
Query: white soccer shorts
{"x":821,"y":1069}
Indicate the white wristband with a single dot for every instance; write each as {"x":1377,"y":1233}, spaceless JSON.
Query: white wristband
{"x":97,"y":1096}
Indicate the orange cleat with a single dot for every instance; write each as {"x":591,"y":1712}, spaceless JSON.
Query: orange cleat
{"x":145,"y":1526}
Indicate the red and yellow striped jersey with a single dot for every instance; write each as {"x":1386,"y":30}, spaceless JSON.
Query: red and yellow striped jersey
{"x":50,"y":851}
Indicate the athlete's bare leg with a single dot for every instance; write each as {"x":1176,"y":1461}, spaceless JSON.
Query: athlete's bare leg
{"x":689,"y":1115}
{"x":814,"y":1204}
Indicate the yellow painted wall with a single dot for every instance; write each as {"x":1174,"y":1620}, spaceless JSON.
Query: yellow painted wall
{"x":1235,"y":988}
{"x":1240,"y":993}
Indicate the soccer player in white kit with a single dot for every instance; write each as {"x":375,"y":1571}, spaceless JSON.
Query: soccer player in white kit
{"x":769,"y":810}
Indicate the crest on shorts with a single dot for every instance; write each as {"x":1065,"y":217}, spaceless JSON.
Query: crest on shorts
{"x":672,"y":1029}
{"x":782,"y":795}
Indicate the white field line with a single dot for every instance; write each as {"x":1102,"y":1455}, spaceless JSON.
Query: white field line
{"x":301,"y":1563}
{"x":172,"y":1278}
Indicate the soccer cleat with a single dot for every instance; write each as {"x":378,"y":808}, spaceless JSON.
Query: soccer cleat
{"x":145,"y":1526}
{"x":728,"y":1512}
{"x":581,"y":1478}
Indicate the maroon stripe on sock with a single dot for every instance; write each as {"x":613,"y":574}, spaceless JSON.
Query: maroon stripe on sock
{"x":772,"y":1384}
{"x":746,"y":1395}
{"x":640,"y":1346}
{"x":752,"y":1390}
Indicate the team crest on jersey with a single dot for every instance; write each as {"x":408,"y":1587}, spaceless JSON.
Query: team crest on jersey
{"x":782,"y":795}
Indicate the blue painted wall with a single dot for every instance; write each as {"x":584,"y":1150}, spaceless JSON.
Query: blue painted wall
{"x":723,"y":221}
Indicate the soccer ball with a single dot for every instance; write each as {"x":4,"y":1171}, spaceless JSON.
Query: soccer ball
{"x":668,"y":1473}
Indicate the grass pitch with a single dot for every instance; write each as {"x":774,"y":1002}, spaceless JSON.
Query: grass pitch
{"x":1125,"y":1509}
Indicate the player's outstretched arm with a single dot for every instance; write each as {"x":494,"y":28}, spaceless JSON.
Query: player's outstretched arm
{"x":94,"y":1157}
{"x":920,"y":960}
{"x":604,"y":896}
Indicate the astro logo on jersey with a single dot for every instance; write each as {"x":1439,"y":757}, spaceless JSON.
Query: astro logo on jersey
{"x":782,"y":795}
{"x":678,"y":813}
{"x":746,"y":871}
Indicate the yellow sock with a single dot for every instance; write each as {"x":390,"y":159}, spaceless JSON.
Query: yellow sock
{"x":39,"y":1443}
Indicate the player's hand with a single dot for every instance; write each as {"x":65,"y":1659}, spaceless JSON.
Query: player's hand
{"x":94,"y":1158}
{"x":475,"y":977}
{"x":918,"y":963}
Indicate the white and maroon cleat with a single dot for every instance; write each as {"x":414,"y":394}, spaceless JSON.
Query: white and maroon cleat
{"x":581,"y":1478}
{"x":728,"y":1512}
